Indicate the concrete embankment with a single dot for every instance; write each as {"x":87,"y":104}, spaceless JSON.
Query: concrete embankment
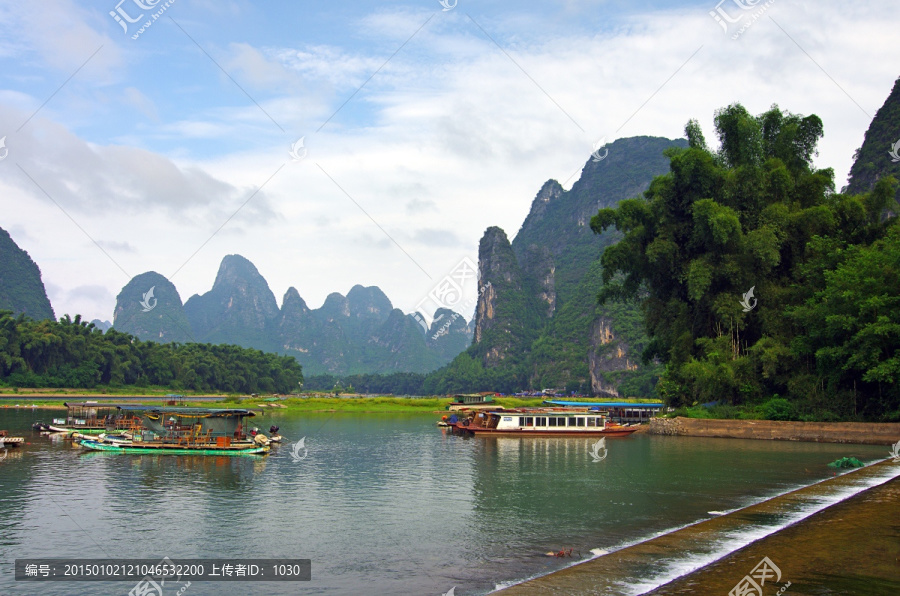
{"x":837,"y":536}
{"x":867,"y":433}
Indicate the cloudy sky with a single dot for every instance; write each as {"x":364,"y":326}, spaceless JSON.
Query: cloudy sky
{"x":165,"y":147}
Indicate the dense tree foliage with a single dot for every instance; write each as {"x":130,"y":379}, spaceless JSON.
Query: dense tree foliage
{"x":73,"y":353}
{"x":825,"y":331}
{"x":393,"y":383}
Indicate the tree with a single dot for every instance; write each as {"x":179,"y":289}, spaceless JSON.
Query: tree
{"x":755,"y":214}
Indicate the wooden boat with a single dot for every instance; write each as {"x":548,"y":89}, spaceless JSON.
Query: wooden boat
{"x":91,"y":418}
{"x":274,"y":437}
{"x":8,"y":441}
{"x":161,"y":448}
{"x":179,"y":430}
{"x":115,"y":439}
{"x":539,"y":422}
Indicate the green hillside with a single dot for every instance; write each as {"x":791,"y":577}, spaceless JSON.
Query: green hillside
{"x":21,"y":288}
{"x":757,"y":281}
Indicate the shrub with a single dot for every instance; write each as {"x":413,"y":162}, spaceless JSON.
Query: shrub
{"x":778,"y":408}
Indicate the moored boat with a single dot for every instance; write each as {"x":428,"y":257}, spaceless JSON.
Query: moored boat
{"x":162,"y":448}
{"x":113,"y":439}
{"x":8,"y":441}
{"x":539,"y":422}
{"x":91,"y":418}
{"x":175,"y":430}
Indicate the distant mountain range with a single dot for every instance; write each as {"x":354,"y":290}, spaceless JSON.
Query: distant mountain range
{"x":358,"y":333}
{"x":537,"y":321}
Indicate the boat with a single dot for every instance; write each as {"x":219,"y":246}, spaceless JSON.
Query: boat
{"x":8,"y":441}
{"x":178,"y":430}
{"x":274,"y":437}
{"x":113,"y":439}
{"x":91,"y":418}
{"x":539,"y":422}
{"x":473,"y":401}
{"x":160,"y":448}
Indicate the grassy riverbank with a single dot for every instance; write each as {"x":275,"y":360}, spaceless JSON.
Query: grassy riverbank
{"x":313,"y":402}
{"x":293,"y":404}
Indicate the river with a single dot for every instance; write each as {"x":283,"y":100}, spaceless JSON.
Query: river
{"x":381,"y":504}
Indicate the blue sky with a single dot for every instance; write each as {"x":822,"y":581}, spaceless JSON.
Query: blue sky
{"x":421,"y":126}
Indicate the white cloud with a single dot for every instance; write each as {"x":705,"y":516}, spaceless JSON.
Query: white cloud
{"x":436,"y":237}
{"x":92,"y":179}
{"x":115,"y":246}
{"x":63,"y":35}
{"x":449,"y":138}
{"x":251,"y":65}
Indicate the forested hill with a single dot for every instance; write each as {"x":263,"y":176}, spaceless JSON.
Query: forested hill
{"x":538,"y":324}
{"x":757,"y":281}
{"x":876,"y":159}
{"x":75,"y":354}
{"x":21,"y":288}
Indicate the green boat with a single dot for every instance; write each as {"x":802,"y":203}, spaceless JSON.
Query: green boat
{"x":160,"y":448}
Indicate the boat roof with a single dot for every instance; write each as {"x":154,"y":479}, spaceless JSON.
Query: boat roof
{"x":604,"y":404}
{"x":187,"y":410}
{"x":92,"y":404}
{"x":542,"y":412}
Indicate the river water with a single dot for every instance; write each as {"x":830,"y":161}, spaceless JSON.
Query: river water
{"x":381,"y":504}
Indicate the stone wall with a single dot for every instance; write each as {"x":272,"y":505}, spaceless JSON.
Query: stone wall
{"x":869,"y":433}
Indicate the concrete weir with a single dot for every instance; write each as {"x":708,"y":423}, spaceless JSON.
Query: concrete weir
{"x":866,"y":433}
{"x":845,"y":527}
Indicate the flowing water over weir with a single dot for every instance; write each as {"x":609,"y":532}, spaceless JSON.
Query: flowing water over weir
{"x":648,"y":567}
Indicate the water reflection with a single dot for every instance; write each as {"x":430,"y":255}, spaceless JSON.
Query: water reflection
{"x":382,"y":503}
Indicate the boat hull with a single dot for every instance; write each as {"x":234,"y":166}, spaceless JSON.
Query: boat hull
{"x":72,"y":429}
{"x":167,"y":449}
{"x":476,"y":430}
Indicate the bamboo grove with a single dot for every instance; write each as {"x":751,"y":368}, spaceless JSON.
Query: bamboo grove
{"x":822,"y":328}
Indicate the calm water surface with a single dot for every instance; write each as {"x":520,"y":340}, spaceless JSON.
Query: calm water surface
{"x":381,"y":504}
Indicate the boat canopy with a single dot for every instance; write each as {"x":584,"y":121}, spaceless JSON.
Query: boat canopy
{"x":92,"y":404}
{"x":538,"y":412}
{"x":189,"y":412}
{"x":604,"y":404}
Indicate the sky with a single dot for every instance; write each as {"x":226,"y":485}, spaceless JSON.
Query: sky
{"x":342,"y":143}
